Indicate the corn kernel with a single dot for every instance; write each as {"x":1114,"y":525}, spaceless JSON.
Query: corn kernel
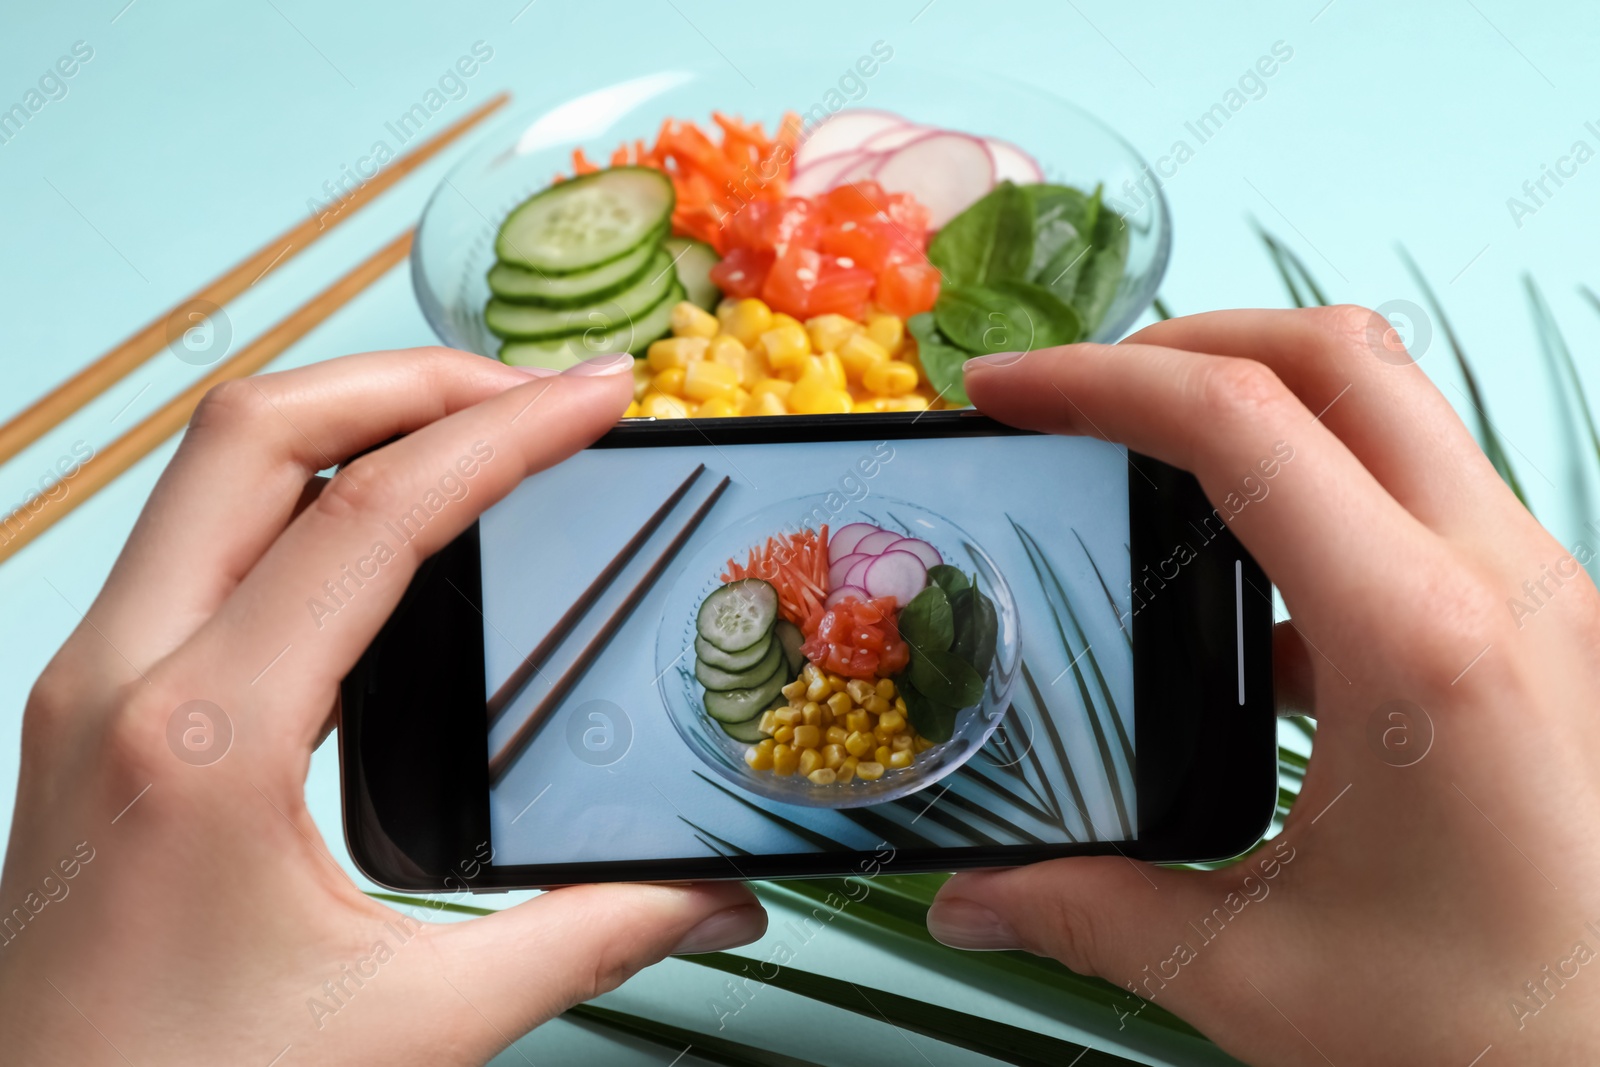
{"x":764,"y":404}
{"x":833,"y":756}
{"x":818,"y":689}
{"x":822,"y":776}
{"x":784,"y":735}
{"x":662,"y":406}
{"x":757,"y":759}
{"x":882,"y":753}
{"x":922,"y":744}
{"x":726,"y":348}
{"x":901,"y":741}
{"x":810,"y":673}
{"x":692,"y":320}
{"x":825,"y":716}
{"x":816,"y":393}
{"x":833,"y":366}
{"x":909,"y":403}
{"x":891,"y":723}
{"x":769,"y":722}
{"x":807,"y":737}
{"x":869,"y":771}
{"x":859,"y":689}
{"x":785,"y":345}
{"x":772,"y":386}
{"x":858,"y":743}
{"x":780,"y":318}
{"x":888,"y":330}
{"x":900,"y":705}
{"x":672,"y":352}
{"x":861,"y":354}
{"x":718,"y":407}
{"x":840,"y":703}
{"x":858,"y":722}
{"x":835,"y":735}
{"x":669,"y":381}
{"x":871,"y":406}
{"x":632,"y":410}
{"x":810,"y":760}
{"x":891,"y":378}
{"x":745,"y":319}
{"x":811,"y":713}
{"x":901,"y":758}
{"x":828,"y":332}
{"x":785,"y":760}
{"x":846,"y":770}
{"x":794,"y":689}
{"x":703,"y":380}
{"x":790,"y":716}
{"x":885,"y":688}
{"x":641,"y":378}
{"x":875,"y":704}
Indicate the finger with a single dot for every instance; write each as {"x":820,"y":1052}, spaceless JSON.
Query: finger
{"x":531,"y":962}
{"x":1347,"y":366}
{"x":1105,"y":916}
{"x":1323,"y":529}
{"x":319,"y":594}
{"x":242,"y":468}
{"x":1293,"y":684}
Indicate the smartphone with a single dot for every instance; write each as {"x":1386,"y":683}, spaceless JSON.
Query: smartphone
{"x":756,"y":648}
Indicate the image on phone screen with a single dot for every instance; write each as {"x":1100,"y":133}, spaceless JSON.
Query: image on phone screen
{"x":809,"y":646}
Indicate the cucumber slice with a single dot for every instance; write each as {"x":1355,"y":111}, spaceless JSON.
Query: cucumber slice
{"x":523,"y":286}
{"x":716,"y":678}
{"x":694,"y":260}
{"x":749,"y":731}
{"x":788,"y":635}
{"x":525,"y":322}
{"x":706,"y":652}
{"x":742,"y":705}
{"x":738,"y":615}
{"x":559,"y":353}
{"x":581,"y":223}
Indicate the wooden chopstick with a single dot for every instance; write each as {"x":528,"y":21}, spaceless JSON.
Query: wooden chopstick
{"x":31,"y":520}
{"x":580,"y":607}
{"x":72,"y":394}
{"x":502,"y":760}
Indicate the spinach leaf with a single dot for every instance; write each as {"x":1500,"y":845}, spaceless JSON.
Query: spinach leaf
{"x":1061,"y":272}
{"x":931,"y":719}
{"x":1009,"y":316}
{"x":1102,"y":273}
{"x":977,"y":629}
{"x":948,"y":578}
{"x":1062,"y":217}
{"x":941,"y":361}
{"x":926,"y":622}
{"x":990,"y":241}
{"x":945,"y":678}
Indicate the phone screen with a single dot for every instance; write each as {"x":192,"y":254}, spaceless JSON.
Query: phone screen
{"x":795,"y":647}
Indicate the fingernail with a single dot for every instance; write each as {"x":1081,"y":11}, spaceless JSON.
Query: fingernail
{"x":611,"y":363}
{"x":538,"y":372}
{"x":728,"y":928}
{"x":995,"y":359}
{"x":963,"y":924}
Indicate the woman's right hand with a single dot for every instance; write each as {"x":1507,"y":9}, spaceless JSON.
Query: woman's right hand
{"x":1435,"y":894}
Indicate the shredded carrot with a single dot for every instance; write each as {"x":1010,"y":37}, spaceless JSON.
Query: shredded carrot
{"x":712,"y":181}
{"x":797,"y":567}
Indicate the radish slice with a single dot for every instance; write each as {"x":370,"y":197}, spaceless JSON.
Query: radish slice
{"x":897,"y":574}
{"x":1012,"y":163}
{"x":844,"y":591}
{"x":894,"y":137}
{"x":841,"y":567}
{"x":846,"y":538}
{"x":921,"y":549}
{"x":857,"y":574}
{"x":843,"y":130}
{"x":874,"y":543}
{"x":945,"y":171}
{"x":820,"y":175}
{"x":866,"y":165}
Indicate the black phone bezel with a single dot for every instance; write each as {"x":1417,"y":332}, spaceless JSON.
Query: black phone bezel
{"x":415,"y":777}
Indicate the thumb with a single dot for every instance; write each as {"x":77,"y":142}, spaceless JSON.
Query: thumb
{"x":1104,"y":916}
{"x":527,"y":964}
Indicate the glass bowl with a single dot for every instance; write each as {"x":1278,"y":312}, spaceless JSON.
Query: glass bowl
{"x":454,"y":246}
{"x":682,"y":694}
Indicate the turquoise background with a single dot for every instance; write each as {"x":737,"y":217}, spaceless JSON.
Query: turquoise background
{"x":197,"y":131}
